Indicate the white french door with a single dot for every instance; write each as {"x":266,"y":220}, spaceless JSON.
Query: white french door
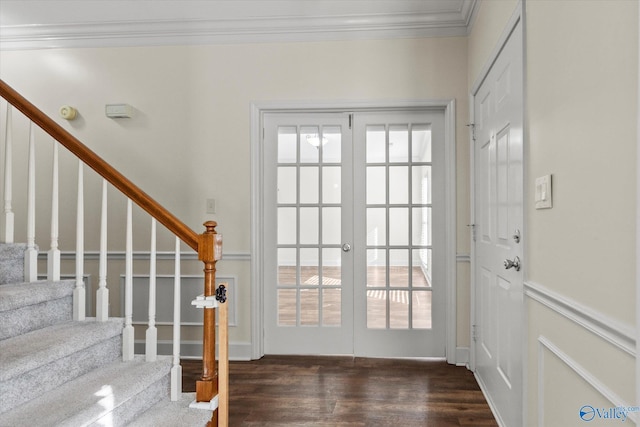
{"x":308,"y":277}
{"x":354,"y":233}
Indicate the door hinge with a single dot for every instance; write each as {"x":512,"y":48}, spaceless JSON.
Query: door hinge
{"x":473,"y":231}
{"x":474,"y":332}
{"x":350,"y":120}
{"x":473,"y":130}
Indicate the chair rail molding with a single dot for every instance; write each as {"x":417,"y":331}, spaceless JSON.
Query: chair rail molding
{"x":611,"y":330}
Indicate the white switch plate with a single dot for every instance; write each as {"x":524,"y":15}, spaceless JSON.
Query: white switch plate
{"x":543,"y":195}
{"x":211,"y":206}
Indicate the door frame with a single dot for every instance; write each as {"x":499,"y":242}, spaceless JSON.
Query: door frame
{"x":258,"y":109}
{"x":516,"y":18}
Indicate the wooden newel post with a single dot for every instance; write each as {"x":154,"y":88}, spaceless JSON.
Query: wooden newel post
{"x":207,"y":386}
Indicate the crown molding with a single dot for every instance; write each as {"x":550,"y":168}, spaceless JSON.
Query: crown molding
{"x":165,"y":32}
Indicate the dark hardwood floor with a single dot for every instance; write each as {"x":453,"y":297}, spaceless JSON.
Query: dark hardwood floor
{"x":347,"y":391}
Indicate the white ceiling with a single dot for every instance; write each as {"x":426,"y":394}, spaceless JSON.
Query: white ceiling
{"x":85,"y":23}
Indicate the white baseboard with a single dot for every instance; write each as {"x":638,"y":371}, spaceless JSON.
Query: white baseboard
{"x":238,"y":351}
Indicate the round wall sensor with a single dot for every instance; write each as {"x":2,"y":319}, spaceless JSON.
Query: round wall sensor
{"x":67,"y":112}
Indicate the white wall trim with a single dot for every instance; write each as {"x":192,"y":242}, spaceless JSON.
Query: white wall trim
{"x":638,"y":231}
{"x":257,"y":225}
{"x":620,"y":335}
{"x":239,"y":351}
{"x":146,"y":255}
{"x":161,"y":32}
{"x":599,"y":386}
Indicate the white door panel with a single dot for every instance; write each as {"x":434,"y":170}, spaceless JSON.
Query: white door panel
{"x":498,"y":213}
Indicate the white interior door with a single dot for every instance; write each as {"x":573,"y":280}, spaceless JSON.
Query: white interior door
{"x":354,"y":259}
{"x":498,"y":246}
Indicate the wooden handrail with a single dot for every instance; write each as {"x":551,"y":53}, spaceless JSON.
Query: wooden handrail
{"x":99,"y":165}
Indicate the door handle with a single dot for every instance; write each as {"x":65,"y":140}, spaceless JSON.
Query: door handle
{"x":346,"y":247}
{"x":512,"y":264}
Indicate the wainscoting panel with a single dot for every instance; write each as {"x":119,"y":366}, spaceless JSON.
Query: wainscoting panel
{"x":581,"y":364}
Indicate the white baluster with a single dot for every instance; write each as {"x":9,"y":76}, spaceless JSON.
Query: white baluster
{"x":8,"y":177}
{"x":31,"y":254}
{"x":53,"y":256}
{"x":152,"y":333}
{"x":102,"y":296}
{"x":79,"y":292}
{"x":128,"y":333}
{"x":176,"y":369}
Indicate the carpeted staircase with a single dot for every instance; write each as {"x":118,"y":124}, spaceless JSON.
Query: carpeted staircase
{"x":58,"y":372}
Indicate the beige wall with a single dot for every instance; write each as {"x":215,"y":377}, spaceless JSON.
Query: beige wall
{"x":189,"y":140}
{"x":582,"y":74}
{"x":581,"y":117}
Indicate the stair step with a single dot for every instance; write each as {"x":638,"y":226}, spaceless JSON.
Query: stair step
{"x":25,"y":307}
{"x":172,"y":414}
{"x":12,"y":262}
{"x":112,"y":395}
{"x":42,"y":360}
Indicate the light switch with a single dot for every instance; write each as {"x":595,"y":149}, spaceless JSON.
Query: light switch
{"x":211,"y":206}
{"x":543,"y":193}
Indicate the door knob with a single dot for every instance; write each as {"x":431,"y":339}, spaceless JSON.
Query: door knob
{"x":346,"y":247}
{"x":512,"y":264}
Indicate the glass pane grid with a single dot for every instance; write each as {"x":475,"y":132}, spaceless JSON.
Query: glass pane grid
{"x":398,"y":207}
{"x":308,"y":204}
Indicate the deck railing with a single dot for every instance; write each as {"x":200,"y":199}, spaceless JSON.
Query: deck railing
{"x":212,"y":387}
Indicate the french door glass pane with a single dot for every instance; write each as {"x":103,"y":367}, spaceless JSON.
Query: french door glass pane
{"x":287,"y":142}
{"x":398,"y":143}
{"x":287,"y":271}
{"x":287,"y":226}
{"x":331,"y":234}
{"x":421,"y":309}
{"x":287,"y":307}
{"x":376,"y":185}
{"x":421,"y":185}
{"x":309,"y":226}
{"x":287,"y":187}
{"x":309,"y":184}
{"x":331,"y":184}
{"x":309,"y":307}
{"x":399,"y":268}
{"x":398,"y":226}
{"x":376,"y":308}
{"x":398,"y":185}
{"x":331,"y":144}
{"x":376,"y":226}
{"x":421,"y":270}
{"x":331,"y":307}
{"x":398,"y":309}
{"x":376,"y":141}
{"x":421,"y":143}
{"x":309,"y":263}
{"x":309,"y":140}
{"x":376,"y":268}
